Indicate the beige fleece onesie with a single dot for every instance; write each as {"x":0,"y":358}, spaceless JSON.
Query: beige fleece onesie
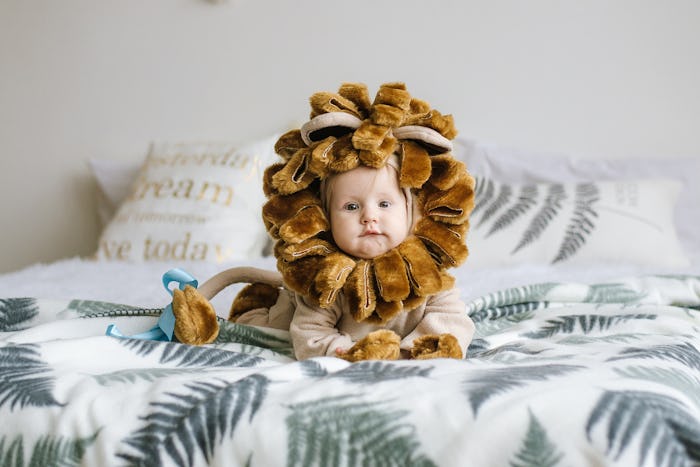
{"x":317,"y":331}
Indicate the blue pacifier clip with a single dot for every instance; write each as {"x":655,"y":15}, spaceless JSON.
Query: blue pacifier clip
{"x":164,"y":329}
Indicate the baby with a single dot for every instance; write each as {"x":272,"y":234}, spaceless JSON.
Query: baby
{"x":369,"y":215}
{"x":368,"y":210}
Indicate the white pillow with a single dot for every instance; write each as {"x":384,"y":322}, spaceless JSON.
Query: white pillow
{"x":521,"y":166}
{"x":192,"y":202}
{"x":582,"y":223}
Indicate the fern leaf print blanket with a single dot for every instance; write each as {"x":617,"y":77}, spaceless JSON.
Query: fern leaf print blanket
{"x":558,"y":374}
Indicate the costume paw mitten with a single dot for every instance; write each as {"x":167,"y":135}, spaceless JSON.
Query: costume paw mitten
{"x":195,"y":318}
{"x":377,"y":345}
{"x":436,"y":346}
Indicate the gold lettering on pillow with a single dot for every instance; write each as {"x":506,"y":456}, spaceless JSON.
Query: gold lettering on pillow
{"x":182,"y":189}
{"x":230,"y":159}
{"x":182,"y":250}
{"x":222,"y":254}
{"x":160,"y":218}
{"x":116,"y":250}
{"x":214,"y":190}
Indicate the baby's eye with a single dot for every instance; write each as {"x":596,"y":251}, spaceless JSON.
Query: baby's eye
{"x":351,"y":206}
{"x":384,"y":204}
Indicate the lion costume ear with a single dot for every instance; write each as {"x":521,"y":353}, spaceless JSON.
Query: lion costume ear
{"x":430,"y":139}
{"x":329,"y":124}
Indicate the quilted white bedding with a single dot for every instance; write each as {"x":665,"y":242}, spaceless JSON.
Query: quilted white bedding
{"x":586,"y":366}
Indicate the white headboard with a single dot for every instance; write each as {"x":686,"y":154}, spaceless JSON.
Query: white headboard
{"x":84,"y":79}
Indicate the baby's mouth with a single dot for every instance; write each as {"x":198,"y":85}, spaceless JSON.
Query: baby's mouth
{"x":369,"y":232}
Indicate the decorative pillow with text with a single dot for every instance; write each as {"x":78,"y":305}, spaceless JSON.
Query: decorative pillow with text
{"x":618,"y":222}
{"x":192,"y":202}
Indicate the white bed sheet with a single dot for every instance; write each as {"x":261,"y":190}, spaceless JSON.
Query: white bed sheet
{"x":139,"y":284}
{"x":617,"y":357}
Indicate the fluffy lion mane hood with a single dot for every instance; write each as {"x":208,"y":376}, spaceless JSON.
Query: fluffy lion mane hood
{"x":346,"y":129}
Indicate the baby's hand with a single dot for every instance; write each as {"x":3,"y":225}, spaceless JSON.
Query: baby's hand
{"x":436,"y":346}
{"x":377,"y":345}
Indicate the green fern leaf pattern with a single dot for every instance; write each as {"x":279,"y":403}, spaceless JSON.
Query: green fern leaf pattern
{"x":312,"y":369}
{"x":586,"y":323}
{"x":133,"y":375}
{"x":551,"y":207}
{"x":12,"y":455}
{"x":345,"y":431}
{"x":25,"y":379}
{"x":613,"y":293}
{"x":489,"y":327}
{"x":510,"y":296}
{"x":249,"y":335}
{"x":369,"y":372}
{"x":188,"y":355}
{"x":609,"y":338}
{"x":666,"y":431}
{"x":47,"y":451}
{"x":477,"y":346}
{"x":197,"y":419}
{"x":683,"y":353}
{"x":504,"y":194}
{"x":526,"y":200}
{"x":485,"y":384}
{"x":537,"y":449}
{"x":484,"y":190}
{"x":495,"y":352}
{"x":60,"y":451}
{"x":508,"y":311}
{"x":143,"y":347}
{"x":581,"y":225}
{"x":16,"y":313}
{"x":685,"y":383}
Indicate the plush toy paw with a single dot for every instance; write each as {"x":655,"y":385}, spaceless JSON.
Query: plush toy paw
{"x":432,"y":346}
{"x":377,"y":345}
{"x":195,"y":318}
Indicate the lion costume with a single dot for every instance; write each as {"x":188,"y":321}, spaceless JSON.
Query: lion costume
{"x":346,"y":129}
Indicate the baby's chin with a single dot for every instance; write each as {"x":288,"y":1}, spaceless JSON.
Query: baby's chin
{"x":369,"y":248}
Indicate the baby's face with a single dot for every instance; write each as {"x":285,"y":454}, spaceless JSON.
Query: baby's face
{"x":368,"y":212}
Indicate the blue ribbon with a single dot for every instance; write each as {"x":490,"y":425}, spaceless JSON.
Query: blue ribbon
{"x":164,"y":329}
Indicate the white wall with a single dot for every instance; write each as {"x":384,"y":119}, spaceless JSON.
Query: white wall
{"x":85,"y":78}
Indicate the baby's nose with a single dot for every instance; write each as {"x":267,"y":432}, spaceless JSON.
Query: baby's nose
{"x":369,"y":215}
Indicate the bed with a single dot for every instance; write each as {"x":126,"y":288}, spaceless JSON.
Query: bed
{"x":583,"y":282}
